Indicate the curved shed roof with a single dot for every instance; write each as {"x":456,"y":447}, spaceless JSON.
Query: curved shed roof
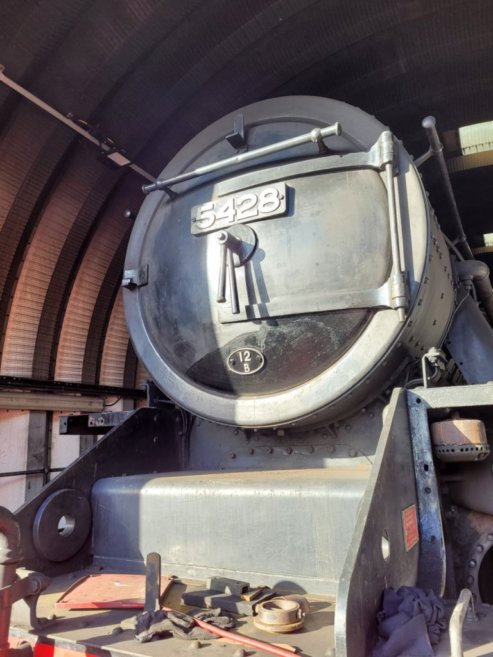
{"x":149,"y":74}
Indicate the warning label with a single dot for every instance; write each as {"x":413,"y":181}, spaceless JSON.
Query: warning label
{"x":410,"y":527}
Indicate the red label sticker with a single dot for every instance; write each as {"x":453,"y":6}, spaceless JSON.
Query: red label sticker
{"x":410,"y":527}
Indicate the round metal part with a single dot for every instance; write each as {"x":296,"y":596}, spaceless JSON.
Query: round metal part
{"x":460,"y":440}
{"x":62,"y":525}
{"x":245,"y":361}
{"x":300,"y":599}
{"x":247,"y":239}
{"x":279,"y":615}
{"x":315,"y":288}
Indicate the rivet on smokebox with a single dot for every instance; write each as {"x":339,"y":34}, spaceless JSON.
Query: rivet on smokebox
{"x":459,"y":440}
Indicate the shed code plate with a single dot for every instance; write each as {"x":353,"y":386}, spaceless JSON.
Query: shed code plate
{"x":246,"y":360}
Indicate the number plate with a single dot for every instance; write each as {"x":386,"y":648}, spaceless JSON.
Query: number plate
{"x":251,"y":205}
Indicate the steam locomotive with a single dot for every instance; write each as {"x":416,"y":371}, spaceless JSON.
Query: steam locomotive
{"x":321,"y":404}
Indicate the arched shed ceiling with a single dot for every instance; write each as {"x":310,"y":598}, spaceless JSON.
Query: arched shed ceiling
{"x":149,"y":74}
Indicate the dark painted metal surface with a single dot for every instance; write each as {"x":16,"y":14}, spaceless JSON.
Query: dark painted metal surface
{"x":470,"y":342}
{"x":432,"y":563}
{"x":62,"y":525}
{"x":93,"y":423}
{"x":25,"y":383}
{"x":145,"y":442}
{"x":377,"y":557}
{"x":306,"y":297}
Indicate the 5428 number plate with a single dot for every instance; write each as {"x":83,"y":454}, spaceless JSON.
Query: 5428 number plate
{"x":251,"y":205}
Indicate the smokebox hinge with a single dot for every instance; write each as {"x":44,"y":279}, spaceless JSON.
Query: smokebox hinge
{"x":133,"y":278}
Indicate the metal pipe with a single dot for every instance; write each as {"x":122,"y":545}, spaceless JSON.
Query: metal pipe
{"x":10,"y":555}
{"x":25,"y":383}
{"x":478,"y":272}
{"x":114,"y":155}
{"x":250,"y":642}
{"x":18,"y":473}
{"x":457,"y":622}
{"x":429,"y":124}
{"x":315,"y":136}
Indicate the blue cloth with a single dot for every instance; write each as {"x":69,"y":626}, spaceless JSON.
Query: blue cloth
{"x":410,"y":623}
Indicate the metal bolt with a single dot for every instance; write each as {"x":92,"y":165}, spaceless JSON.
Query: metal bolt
{"x":251,"y":451}
{"x":236,"y":432}
{"x":479,"y":548}
{"x":269,"y":450}
{"x":347,"y":427}
{"x":280,"y":433}
{"x":288,"y":450}
{"x":472,"y":563}
{"x":490,"y":537}
{"x":325,"y":435}
{"x":352,"y":452}
{"x":232,"y":455}
{"x":371,"y":414}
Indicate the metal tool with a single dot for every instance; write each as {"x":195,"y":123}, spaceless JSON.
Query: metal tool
{"x":153,"y":582}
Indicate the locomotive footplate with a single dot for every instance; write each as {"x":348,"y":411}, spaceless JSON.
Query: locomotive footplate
{"x":109,"y":632}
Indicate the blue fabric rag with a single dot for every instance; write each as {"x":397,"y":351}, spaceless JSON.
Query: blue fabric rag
{"x":410,"y":623}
